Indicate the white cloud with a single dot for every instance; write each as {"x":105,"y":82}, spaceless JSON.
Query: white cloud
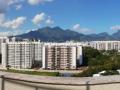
{"x":10,"y":33}
{"x":39,"y":18}
{"x":5,"y":34}
{"x":116,"y":27}
{"x":78,"y":28}
{"x":11,"y":24}
{"x":2,"y":18}
{"x":14,"y":24}
{"x":5,"y":4}
{"x":42,"y":18}
{"x":36,"y":2}
{"x":29,"y":30}
{"x":18,"y":7}
{"x":33,"y":2}
{"x":11,"y":2}
{"x":49,"y":21}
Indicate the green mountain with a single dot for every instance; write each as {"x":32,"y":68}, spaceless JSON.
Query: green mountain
{"x":57,"y":34}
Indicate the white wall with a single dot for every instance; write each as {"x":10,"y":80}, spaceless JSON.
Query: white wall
{"x":4,"y":55}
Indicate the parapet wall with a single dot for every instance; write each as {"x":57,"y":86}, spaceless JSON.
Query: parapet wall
{"x":12,"y":81}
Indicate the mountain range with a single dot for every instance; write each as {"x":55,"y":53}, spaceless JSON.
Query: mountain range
{"x":57,"y":34}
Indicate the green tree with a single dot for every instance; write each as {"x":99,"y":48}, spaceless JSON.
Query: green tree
{"x":89,"y":54}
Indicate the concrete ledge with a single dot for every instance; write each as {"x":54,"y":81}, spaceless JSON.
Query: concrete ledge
{"x":74,"y":81}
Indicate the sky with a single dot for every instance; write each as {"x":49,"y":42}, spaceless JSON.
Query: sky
{"x":83,"y":16}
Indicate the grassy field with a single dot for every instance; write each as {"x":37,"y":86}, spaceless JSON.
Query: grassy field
{"x":32,"y":72}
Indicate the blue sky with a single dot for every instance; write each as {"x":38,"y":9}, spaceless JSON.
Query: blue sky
{"x":84,"y":16}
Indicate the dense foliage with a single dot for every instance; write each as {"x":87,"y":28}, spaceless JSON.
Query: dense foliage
{"x":98,"y":61}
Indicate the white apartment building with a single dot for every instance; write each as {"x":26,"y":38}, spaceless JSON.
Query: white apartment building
{"x":105,"y":45}
{"x":26,"y":54}
{"x":61,"y":56}
{"x":3,"y":40}
{"x":21,"y":54}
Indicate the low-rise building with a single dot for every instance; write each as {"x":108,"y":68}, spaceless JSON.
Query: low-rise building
{"x":105,"y":45}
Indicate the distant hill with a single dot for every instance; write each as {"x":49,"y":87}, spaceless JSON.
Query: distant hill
{"x":116,"y":35}
{"x":58,"y":34}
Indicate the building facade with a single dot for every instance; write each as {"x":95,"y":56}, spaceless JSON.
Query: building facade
{"x":30,"y":54}
{"x":3,"y":40}
{"x":21,"y":54}
{"x":61,"y":56}
{"x":105,"y":45}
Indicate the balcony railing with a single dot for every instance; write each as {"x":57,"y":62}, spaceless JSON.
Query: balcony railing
{"x":11,"y":81}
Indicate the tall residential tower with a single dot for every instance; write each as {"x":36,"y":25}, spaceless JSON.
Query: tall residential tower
{"x":61,"y":56}
{"x":21,"y":54}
